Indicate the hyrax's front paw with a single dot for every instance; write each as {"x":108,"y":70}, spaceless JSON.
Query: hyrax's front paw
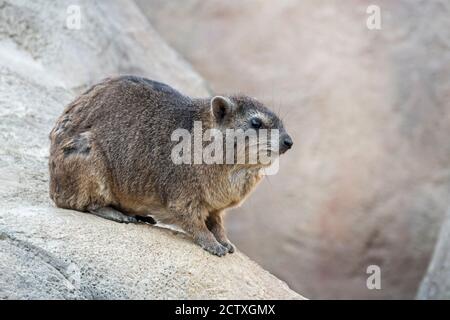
{"x":214,"y":248}
{"x":229,"y":246}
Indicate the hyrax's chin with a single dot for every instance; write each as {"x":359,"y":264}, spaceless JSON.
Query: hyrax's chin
{"x":258,"y":156}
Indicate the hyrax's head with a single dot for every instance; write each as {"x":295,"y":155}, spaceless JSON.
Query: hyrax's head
{"x":257,"y":129}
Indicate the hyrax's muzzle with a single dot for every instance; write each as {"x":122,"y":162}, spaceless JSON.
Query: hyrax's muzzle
{"x":285,"y":143}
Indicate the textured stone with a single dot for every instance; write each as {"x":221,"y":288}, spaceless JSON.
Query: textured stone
{"x":51,"y":253}
{"x":114,"y":38}
{"x":368,"y":179}
{"x":436,"y":283}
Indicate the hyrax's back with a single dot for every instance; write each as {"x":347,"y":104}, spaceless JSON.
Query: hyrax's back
{"x":109,"y":143}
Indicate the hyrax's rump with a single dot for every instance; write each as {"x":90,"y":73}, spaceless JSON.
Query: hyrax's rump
{"x":111,"y":155}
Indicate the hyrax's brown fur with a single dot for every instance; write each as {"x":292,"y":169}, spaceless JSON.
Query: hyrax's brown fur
{"x":111,"y":155}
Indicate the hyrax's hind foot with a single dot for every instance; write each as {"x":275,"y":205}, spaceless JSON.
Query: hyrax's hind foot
{"x":112,"y":214}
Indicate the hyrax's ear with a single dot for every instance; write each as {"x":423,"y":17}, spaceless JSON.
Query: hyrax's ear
{"x":221,"y":107}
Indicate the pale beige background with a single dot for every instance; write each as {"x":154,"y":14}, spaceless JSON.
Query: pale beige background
{"x":368,"y":179}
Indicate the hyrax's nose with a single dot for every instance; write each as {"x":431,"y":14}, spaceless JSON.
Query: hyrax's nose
{"x":287,"y":142}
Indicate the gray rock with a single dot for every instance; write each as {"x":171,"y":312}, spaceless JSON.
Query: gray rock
{"x":51,"y":253}
{"x":113,"y":38}
{"x":436,"y":283}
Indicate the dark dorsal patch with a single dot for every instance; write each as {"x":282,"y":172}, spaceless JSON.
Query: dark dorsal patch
{"x":155,"y":85}
{"x":80,"y":145}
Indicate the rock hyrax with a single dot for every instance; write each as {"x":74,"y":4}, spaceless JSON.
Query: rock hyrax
{"x":111,"y":155}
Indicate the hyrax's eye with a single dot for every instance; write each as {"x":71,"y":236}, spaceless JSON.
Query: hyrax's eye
{"x":256,"y":123}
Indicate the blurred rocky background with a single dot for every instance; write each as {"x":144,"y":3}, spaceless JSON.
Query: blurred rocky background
{"x":436,"y":283}
{"x":368,"y":179}
{"x":367,"y":182}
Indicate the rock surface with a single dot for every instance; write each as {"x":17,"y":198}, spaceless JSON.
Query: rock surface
{"x":51,"y":253}
{"x":436,"y":283}
{"x":368,"y":179}
{"x":113,"y":38}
